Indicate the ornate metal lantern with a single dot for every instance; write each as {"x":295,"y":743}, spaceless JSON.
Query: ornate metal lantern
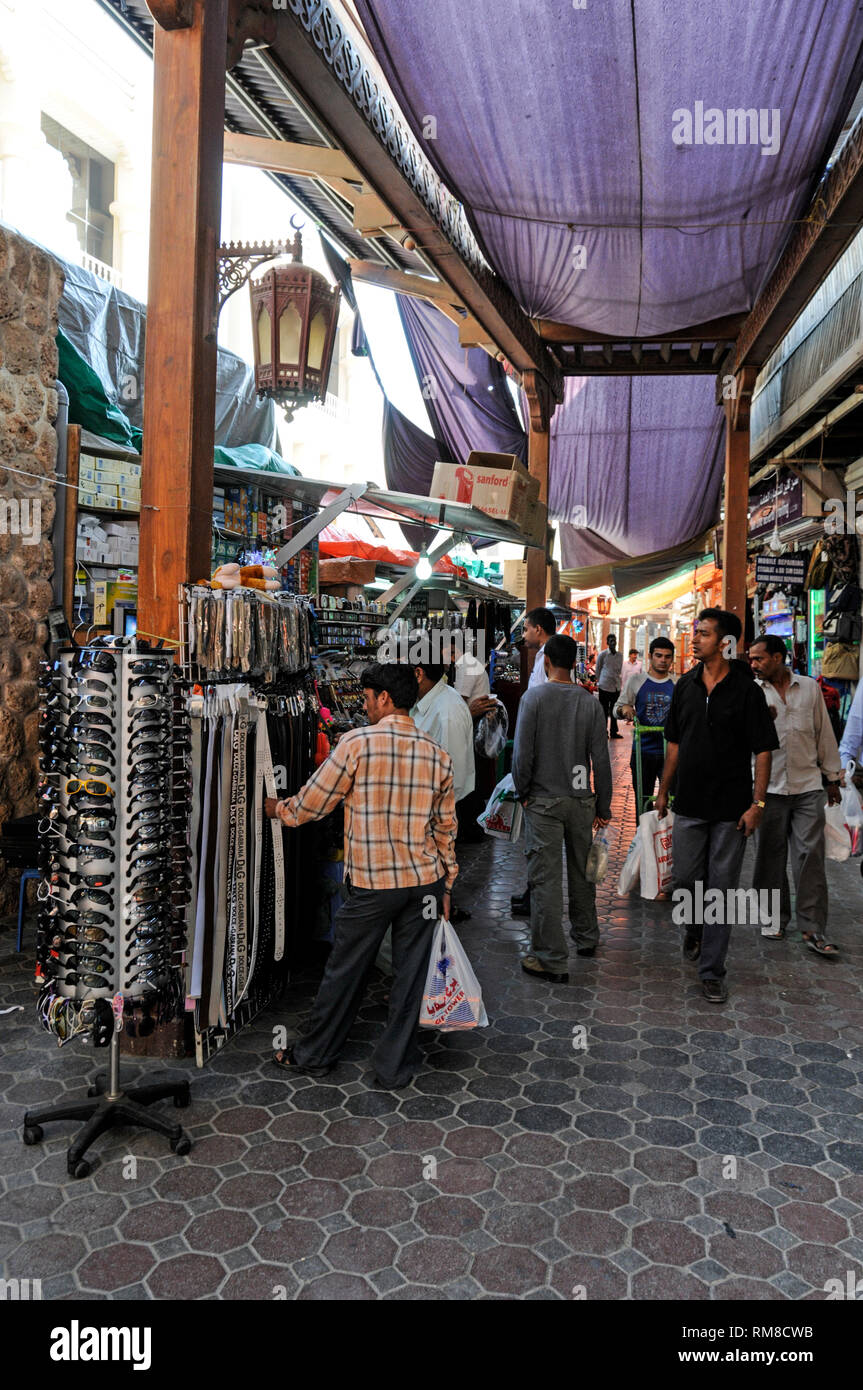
{"x":294,"y":317}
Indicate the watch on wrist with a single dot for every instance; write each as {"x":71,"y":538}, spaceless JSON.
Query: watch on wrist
{"x":760,"y":804}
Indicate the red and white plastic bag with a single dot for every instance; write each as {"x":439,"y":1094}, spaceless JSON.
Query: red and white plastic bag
{"x":656,"y":865}
{"x":452,"y":998}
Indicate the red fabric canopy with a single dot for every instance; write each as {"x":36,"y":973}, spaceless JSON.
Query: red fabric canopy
{"x":335,"y":543}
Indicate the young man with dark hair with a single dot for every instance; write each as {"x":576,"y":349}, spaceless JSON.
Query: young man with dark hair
{"x":397,"y":787}
{"x":608,"y":680}
{"x":559,"y":738}
{"x":795,"y":796}
{"x":647,"y":696}
{"x":539,"y":625}
{"x":718,"y":721}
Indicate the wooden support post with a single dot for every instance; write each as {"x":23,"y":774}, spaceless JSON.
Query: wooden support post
{"x":539,"y":403}
{"x":736,"y":532}
{"x":70,"y":532}
{"x":180,"y":367}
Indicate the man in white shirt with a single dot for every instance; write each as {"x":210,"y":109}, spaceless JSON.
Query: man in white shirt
{"x":795,"y":798}
{"x":851,"y":746}
{"x":631,"y":667}
{"x":539,"y":625}
{"x":441,"y":713}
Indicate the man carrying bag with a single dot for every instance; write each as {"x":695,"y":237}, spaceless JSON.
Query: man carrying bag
{"x":400,"y":866}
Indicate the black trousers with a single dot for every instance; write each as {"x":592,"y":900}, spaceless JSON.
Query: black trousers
{"x":651,"y":773}
{"x":360,"y":926}
{"x":608,"y":699}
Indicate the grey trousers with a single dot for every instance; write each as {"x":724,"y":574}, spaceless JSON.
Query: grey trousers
{"x":359,"y":929}
{"x":800,"y":820}
{"x":710,"y":853}
{"x":552,"y":824}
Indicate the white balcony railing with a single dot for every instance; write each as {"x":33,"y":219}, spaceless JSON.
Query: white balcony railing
{"x":105,"y":272}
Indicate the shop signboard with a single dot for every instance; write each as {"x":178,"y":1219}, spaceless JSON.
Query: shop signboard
{"x":782,"y":571}
{"x":772,"y":502}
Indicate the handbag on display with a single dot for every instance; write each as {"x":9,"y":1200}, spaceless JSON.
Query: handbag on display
{"x":841,"y":661}
{"x":843,"y":627}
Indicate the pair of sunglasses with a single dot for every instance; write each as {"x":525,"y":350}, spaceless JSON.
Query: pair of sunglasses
{"x":91,"y":786}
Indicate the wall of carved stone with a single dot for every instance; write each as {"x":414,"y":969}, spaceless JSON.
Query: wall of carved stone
{"x":31,"y":284}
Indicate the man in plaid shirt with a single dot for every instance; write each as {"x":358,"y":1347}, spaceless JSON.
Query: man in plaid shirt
{"x":400,"y":866}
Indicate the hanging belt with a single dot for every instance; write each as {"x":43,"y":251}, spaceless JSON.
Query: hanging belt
{"x":222,"y":871}
{"x":203,"y":912}
{"x":278,"y":845}
{"x":195,"y":771}
{"x":240,"y":945}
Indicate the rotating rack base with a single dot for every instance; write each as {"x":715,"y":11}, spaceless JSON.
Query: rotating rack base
{"x":109,"y":1108}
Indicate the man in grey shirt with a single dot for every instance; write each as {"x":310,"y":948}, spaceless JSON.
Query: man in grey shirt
{"x":559,"y":737}
{"x":608,"y":680}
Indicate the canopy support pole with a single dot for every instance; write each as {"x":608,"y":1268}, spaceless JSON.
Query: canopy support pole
{"x":317,"y":524}
{"x":539,"y":436}
{"x":736,"y":532}
{"x":180,"y":364}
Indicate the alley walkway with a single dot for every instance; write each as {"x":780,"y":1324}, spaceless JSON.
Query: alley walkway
{"x":688,"y":1152}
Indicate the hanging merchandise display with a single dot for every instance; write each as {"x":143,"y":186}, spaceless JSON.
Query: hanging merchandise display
{"x":113,"y":815}
{"x":255,"y":887}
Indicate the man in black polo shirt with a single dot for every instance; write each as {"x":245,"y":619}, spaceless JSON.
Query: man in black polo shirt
{"x":717,"y":722}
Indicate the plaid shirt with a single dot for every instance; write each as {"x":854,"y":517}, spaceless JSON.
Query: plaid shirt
{"x":397,"y":786}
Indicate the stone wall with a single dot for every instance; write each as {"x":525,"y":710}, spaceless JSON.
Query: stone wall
{"x":31,"y":284}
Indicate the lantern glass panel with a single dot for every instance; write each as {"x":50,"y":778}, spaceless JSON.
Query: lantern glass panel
{"x":290,"y":329}
{"x":265,"y":338}
{"x":317,"y":340}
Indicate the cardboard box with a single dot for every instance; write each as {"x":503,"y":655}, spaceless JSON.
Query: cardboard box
{"x":500,"y":491}
{"x":515,"y":577}
{"x":106,"y":592}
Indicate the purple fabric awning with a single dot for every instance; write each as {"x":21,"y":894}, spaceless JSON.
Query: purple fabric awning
{"x":464,"y":389}
{"x":636,"y":465}
{"x":562,"y":127}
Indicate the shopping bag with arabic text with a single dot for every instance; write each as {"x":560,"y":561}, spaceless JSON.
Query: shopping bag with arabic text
{"x":452,"y":998}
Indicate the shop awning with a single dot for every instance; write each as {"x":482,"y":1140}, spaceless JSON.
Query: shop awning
{"x":659,"y":595}
{"x":633,"y":576}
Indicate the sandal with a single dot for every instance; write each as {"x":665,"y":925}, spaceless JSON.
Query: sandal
{"x":819,"y":944}
{"x":284,"y":1058}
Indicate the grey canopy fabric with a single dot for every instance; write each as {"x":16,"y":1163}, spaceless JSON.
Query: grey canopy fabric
{"x":563,"y":127}
{"x":635,"y":465}
{"x":108,"y":329}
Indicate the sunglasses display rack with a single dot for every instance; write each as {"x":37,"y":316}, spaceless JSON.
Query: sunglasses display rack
{"x":114,"y":802}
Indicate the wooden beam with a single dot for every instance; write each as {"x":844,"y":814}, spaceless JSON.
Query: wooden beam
{"x":401,"y":282}
{"x":538,"y":442}
{"x":360,"y":118}
{"x":726,"y":328}
{"x":180,"y":367}
{"x":736,"y":524}
{"x":828,"y":227}
{"x":70,"y":529}
{"x":287,"y":157}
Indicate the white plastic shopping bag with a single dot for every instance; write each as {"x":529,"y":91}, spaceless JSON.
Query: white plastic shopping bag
{"x":656,"y":870}
{"x":837,"y":842}
{"x":452,"y":998}
{"x":631,"y":870}
{"x":503,"y":814}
